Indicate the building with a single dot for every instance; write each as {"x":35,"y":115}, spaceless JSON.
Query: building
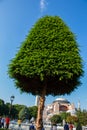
{"x":37,"y":100}
{"x":58,"y":106}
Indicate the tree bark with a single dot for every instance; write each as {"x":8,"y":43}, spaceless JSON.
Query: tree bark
{"x":39,"y":121}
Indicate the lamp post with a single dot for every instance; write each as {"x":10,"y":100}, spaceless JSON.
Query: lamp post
{"x":11,"y":99}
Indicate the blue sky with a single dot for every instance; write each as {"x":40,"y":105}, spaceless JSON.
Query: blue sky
{"x":17,"y":18}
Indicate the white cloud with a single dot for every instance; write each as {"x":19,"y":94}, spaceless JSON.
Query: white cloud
{"x":43,"y":4}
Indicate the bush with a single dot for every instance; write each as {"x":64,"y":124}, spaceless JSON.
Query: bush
{"x":3,"y":129}
{"x":56,"y":119}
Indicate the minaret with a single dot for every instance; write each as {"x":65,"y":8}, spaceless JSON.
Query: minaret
{"x":37,"y":100}
{"x":78,"y":105}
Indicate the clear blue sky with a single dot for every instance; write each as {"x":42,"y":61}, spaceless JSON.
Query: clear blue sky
{"x":17,"y":18}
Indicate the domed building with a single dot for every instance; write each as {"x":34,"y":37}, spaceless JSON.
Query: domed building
{"x":58,"y":106}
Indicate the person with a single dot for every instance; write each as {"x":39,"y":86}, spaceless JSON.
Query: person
{"x":79,"y":127}
{"x":53,"y":127}
{"x":7,"y":120}
{"x":66,"y":126}
{"x":19,"y":123}
{"x":2,"y":122}
{"x":43,"y":127}
{"x":70,"y":126}
{"x":32,"y":127}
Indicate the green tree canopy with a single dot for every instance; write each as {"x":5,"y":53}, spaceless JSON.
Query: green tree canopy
{"x":56,"y":119}
{"x":82,"y":117}
{"x":33,"y":112}
{"x":48,"y":61}
{"x":24,"y":113}
{"x":64,"y":115}
{"x":48,"y":57}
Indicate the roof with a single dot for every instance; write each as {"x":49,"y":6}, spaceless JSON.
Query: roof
{"x":62,"y":100}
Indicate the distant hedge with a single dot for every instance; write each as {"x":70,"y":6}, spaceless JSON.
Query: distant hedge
{"x":4,"y":129}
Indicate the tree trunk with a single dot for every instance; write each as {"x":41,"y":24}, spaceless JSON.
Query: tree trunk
{"x":39,"y":122}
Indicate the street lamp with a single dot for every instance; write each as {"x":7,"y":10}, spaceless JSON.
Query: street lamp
{"x":11,"y":99}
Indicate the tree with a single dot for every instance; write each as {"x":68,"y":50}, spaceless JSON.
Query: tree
{"x":56,"y":119}
{"x":32,"y":112}
{"x":24,"y":113}
{"x":14,"y":112}
{"x":64,"y":115}
{"x":1,"y":107}
{"x":48,"y":62}
{"x":71,"y":119}
{"x":82,"y":117}
{"x":18,"y":108}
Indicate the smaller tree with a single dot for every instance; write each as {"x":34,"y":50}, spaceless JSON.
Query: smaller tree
{"x":24,"y":113}
{"x":71,"y":119}
{"x":64,"y":115}
{"x":14,"y":113}
{"x":33,"y":112}
{"x":56,"y":119}
{"x":82,"y":117}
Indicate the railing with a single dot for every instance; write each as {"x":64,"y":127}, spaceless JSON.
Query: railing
{"x":15,"y":126}
{"x":24,"y":126}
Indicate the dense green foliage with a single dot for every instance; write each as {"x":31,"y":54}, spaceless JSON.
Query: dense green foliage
{"x":72,"y":119}
{"x":82,"y":117}
{"x":24,"y":113}
{"x":33,"y":112}
{"x":64,"y":115}
{"x":56,"y":119}
{"x":3,"y":129}
{"x":48,"y":57}
{"x":29,"y":112}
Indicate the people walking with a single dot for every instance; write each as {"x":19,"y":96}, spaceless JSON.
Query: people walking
{"x":2,"y":122}
{"x":19,"y":123}
{"x":70,"y":126}
{"x":79,"y":127}
{"x":7,"y":120}
{"x":32,"y":127}
{"x":66,"y":126}
{"x":53,"y":127}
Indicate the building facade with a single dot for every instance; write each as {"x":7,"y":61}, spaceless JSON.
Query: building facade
{"x":58,"y":106}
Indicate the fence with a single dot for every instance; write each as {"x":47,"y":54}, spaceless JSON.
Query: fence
{"x":26,"y":127}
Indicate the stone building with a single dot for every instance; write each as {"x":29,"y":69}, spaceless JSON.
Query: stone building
{"x":58,"y":106}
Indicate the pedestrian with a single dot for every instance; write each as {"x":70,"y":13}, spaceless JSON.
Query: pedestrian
{"x":2,"y":122}
{"x":51,"y":127}
{"x":43,"y":127}
{"x":55,"y":127}
{"x":79,"y":126}
{"x":32,"y":127}
{"x":66,"y":126}
{"x":70,"y":126}
{"x":7,"y":120}
{"x":19,"y":123}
